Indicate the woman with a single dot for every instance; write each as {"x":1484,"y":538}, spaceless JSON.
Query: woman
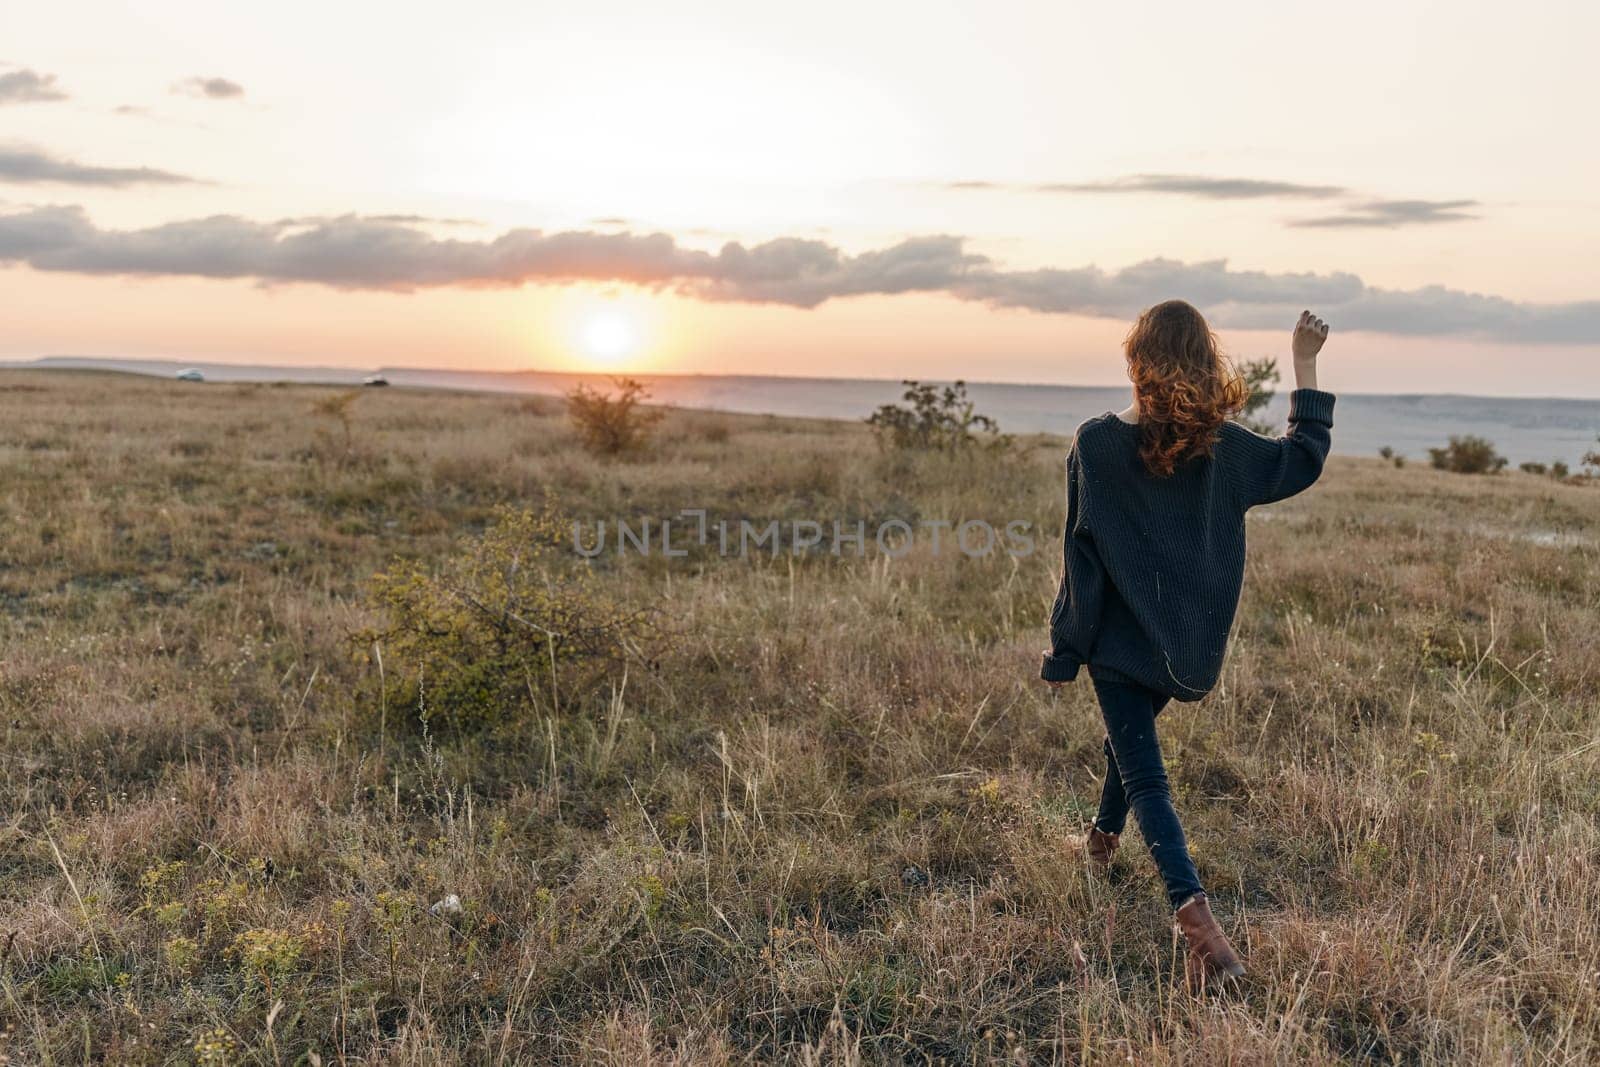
{"x":1154,"y":554}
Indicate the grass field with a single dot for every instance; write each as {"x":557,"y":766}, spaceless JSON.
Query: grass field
{"x":819,"y":811}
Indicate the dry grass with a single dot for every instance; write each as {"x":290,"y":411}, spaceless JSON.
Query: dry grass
{"x":209,"y":854}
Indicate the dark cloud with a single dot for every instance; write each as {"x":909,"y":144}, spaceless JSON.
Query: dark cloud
{"x":29,"y":87}
{"x":355,"y":252}
{"x":210,"y":88}
{"x":1387,"y":214}
{"x":27,"y":165}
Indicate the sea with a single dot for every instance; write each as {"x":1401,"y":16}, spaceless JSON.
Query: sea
{"x":1522,"y":429}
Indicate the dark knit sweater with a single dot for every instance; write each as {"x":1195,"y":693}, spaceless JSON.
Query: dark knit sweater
{"x":1153,"y":566}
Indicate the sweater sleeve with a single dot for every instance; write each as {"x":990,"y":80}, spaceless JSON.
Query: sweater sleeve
{"x":1275,"y":468}
{"x":1075,"y":620}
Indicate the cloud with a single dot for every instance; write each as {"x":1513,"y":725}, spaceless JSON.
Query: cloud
{"x":209,"y":88}
{"x":402,"y":219}
{"x":1196,"y":185}
{"x":1199,"y":186}
{"x":29,"y":87}
{"x":1259,"y":300}
{"x":27,"y":165}
{"x":1388,"y":214}
{"x":1370,"y":214}
{"x":357,"y":252}
{"x":1091,"y":291}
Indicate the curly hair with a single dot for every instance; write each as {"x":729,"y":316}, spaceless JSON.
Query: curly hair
{"x":1185,"y":386}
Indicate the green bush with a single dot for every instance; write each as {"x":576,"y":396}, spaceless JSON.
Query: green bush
{"x":510,"y":625}
{"x":336,"y":408}
{"x":616,"y":424}
{"x":1258,"y":375}
{"x":934,"y":419}
{"x":1467,"y":455}
{"x":1556,"y":469}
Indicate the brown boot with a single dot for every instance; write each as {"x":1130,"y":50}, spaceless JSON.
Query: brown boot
{"x":1210,"y":952}
{"x":1101,"y":847}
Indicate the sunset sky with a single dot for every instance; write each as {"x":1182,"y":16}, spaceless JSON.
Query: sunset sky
{"x":877,"y":189}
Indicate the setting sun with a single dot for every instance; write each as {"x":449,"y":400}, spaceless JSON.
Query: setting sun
{"x":608,"y":336}
{"x":605,"y":329}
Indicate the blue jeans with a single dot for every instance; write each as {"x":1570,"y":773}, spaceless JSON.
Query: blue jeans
{"x":1136,"y":777}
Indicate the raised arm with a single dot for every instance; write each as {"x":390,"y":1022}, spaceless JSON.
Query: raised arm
{"x":1310,"y":333}
{"x":1274,"y":468}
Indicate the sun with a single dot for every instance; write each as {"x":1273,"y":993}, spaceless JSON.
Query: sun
{"x":608,"y":335}
{"x":603,"y":330}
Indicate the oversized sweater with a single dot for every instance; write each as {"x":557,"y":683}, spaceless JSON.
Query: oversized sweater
{"x":1153,"y":566}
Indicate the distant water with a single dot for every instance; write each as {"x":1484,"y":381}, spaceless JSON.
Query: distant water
{"x":1521,"y":428}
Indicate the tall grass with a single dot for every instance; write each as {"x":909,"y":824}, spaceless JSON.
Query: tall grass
{"x":831,"y":820}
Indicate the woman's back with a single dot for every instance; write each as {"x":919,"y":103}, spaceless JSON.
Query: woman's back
{"x":1155,"y":563}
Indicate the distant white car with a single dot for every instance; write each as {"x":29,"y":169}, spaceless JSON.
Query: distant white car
{"x":191,"y":375}
{"x":374,"y":379}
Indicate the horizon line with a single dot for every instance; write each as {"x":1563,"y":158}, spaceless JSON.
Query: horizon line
{"x":37,"y":361}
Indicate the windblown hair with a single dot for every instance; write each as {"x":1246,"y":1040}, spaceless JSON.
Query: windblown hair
{"x":1186,"y":387}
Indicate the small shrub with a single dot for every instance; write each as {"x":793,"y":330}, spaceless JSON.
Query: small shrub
{"x":713,"y":430}
{"x":267,"y":955}
{"x":1258,"y":375}
{"x":337,"y":407}
{"x":511,"y":622}
{"x":215,"y":1048}
{"x":1591,"y":461}
{"x":1556,"y":469}
{"x":1467,"y":455}
{"x":934,"y":419}
{"x":540,"y":406}
{"x":615,"y":424}
{"x":182,"y":954}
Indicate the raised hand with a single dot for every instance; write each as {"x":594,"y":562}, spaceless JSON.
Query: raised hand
{"x":1309,"y":334}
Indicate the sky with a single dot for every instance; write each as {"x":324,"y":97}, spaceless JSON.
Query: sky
{"x":987,"y":191}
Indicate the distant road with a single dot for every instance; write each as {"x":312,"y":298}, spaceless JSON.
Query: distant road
{"x":1521,"y":428}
